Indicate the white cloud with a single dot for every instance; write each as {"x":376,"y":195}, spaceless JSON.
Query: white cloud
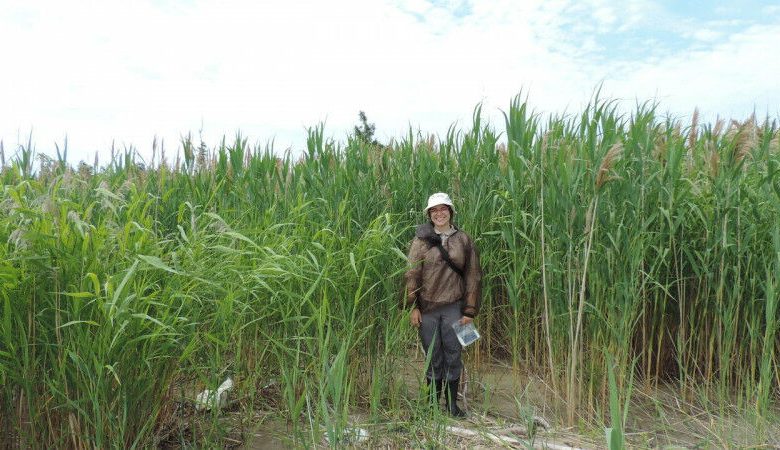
{"x":729,"y":79}
{"x":128,"y":71}
{"x":637,"y":12}
{"x":706,"y":35}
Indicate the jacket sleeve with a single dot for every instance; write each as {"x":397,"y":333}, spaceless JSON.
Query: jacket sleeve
{"x":473,"y":278}
{"x":413,"y":275}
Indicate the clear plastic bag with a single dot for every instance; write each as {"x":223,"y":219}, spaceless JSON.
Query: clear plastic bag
{"x":467,"y":334}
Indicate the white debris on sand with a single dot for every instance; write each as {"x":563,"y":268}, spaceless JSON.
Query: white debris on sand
{"x":209,"y":399}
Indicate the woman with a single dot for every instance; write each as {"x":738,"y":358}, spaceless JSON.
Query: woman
{"x":443,"y":284}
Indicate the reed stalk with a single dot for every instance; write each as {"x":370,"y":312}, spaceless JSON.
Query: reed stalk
{"x":123,"y":285}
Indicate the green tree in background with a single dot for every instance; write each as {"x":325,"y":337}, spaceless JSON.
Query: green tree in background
{"x":365,"y":132}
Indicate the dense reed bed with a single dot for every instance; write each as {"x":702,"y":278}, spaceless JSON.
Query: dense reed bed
{"x":628,"y":245}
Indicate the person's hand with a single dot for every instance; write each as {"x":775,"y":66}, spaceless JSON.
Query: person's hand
{"x":416,"y":318}
{"x":466,"y":320}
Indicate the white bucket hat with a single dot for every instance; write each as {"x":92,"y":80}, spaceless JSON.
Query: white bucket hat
{"x":439,"y":198}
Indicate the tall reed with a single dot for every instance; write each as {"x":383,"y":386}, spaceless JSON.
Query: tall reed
{"x":125,"y":287}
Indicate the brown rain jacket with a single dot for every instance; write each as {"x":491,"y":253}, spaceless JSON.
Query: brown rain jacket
{"x":430,"y":282}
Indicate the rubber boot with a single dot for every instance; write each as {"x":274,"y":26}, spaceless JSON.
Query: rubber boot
{"x":437,"y":388}
{"x":452,"y":399}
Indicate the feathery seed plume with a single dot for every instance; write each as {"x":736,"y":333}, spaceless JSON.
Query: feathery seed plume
{"x":774,"y":144}
{"x":718,"y":127}
{"x":746,"y":139}
{"x":692,"y":133}
{"x":606,"y":164}
{"x":714,"y":162}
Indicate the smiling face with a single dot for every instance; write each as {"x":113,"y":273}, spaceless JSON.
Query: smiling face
{"x":440,"y":216}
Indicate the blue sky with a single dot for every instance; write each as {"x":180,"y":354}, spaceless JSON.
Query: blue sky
{"x":127,"y":72}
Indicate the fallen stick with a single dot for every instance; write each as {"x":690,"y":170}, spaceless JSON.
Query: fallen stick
{"x":503,"y":440}
{"x":552,"y":446}
{"x":506,"y":440}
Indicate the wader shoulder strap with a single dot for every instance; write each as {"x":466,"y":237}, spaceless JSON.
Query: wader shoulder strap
{"x":446,"y":257}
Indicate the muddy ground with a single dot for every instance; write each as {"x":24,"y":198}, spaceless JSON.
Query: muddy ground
{"x":507,"y":408}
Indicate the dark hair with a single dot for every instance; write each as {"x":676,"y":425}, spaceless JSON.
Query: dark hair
{"x":452,"y":213}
